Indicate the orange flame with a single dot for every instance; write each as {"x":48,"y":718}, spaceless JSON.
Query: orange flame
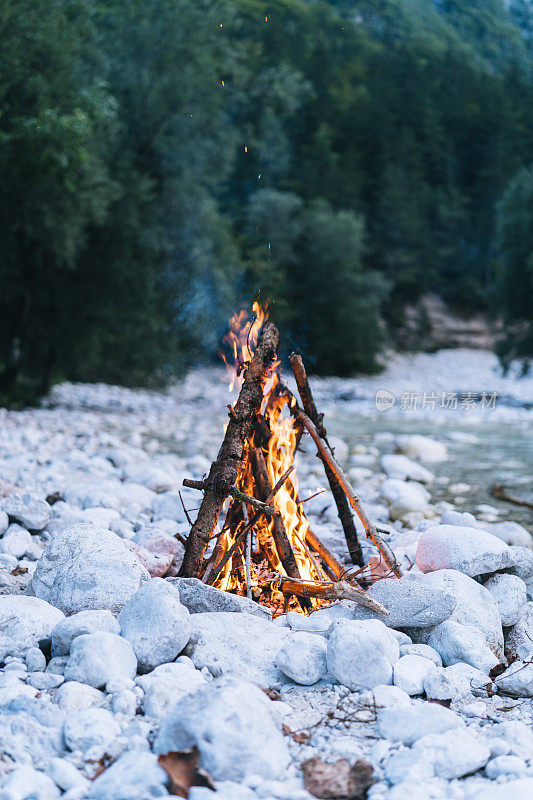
{"x":279,"y":456}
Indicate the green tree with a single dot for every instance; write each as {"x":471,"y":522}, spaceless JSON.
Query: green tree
{"x":515,"y":279}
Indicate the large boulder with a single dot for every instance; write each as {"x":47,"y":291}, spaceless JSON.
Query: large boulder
{"x":475,"y":606}
{"x":166,"y":684}
{"x":85,"y":567}
{"x":361,"y":655}
{"x":156,"y":623}
{"x":24,"y":621}
{"x":462,"y":643}
{"x":468,"y":550}
{"x":233,"y":725}
{"x":237,"y":644}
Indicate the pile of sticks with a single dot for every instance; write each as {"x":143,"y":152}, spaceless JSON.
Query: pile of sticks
{"x":245,"y":442}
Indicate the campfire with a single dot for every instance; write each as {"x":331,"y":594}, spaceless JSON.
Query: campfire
{"x":251,"y":520}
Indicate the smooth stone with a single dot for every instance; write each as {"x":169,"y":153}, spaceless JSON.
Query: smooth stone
{"x":243,"y":645}
{"x":456,"y":753}
{"x":65,"y":774}
{"x":385,"y":696}
{"x":420,"y":447}
{"x":505,"y":765}
{"x":518,"y":735}
{"x":224,"y":718}
{"x":73,"y":696}
{"x":303,"y":658}
{"x":44,"y":680}
{"x":410,"y":672}
{"x":361,"y":654}
{"x":411,"y":601}
{"x":310,"y":624}
{"x":423,"y":650}
{"x":475,"y":606}
{"x":16,"y":541}
{"x":4,"y":522}
{"x":154,"y":478}
{"x":511,"y":533}
{"x":517,"y":680}
{"x":29,"y":510}
{"x":156,"y":623}
{"x":406,"y":725}
{"x":97,"y":658}
{"x":523,"y":567}
{"x":27,"y":783}
{"x":89,"y":727}
{"x":166,"y":684}
{"x":90,"y":621}
{"x":87,"y":568}
{"x":35,"y":660}
{"x":136,"y":775}
{"x":199,"y":597}
{"x":462,"y":643}
{"x":468,"y":550}
{"x":519,"y":637}
{"x":455,"y":682}
{"x":398,"y":466}
{"x":521,"y":789}
{"x":24,"y":622}
{"x":510,"y":594}
{"x":461,"y":518}
{"x":404,"y":498}
{"x":109,"y":493}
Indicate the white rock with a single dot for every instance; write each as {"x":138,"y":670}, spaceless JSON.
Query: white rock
{"x":110,"y":493}
{"x":510,"y":594}
{"x":24,"y":621}
{"x":517,"y":680}
{"x":69,"y":628}
{"x":168,"y":506}
{"x":410,"y":672}
{"x":156,"y":623}
{"x":136,"y":775}
{"x":166,"y":684}
{"x":422,"y":447}
{"x":65,"y":774}
{"x":16,"y":541}
{"x":455,"y":752}
{"x":404,"y":468}
{"x":310,"y":624}
{"x":409,"y":724}
{"x":44,"y":680}
{"x":72,"y":696}
{"x":97,"y":658}
{"x":511,"y":533}
{"x":4,"y":522}
{"x":518,"y":735}
{"x":361,"y":655}
{"x":521,"y":789}
{"x":303,"y":658}
{"x":519,"y":638}
{"x":226,"y":717}
{"x":413,"y":765}
{"x":468,"y":550}
{"x":28,"y":509}
{"x":460,"y":518}
{"x":87,"y":568}
{"x":423,"y":650}
{"x":505,"y":765}
{"x":404,"y":497}
{"x":475,"y":606}
{"x":125,"y":702}
{"x":154,"y":478}
{"x":412,"y":602}
{"x":241,"y":645}
{"x":384,"y":696}
{"x":26,"y":783}
{"x":35,"y":660}
{"x":456,"y":682}
{"x":89,"y":727}
{"x":199,"y":597}
{"x":456,"y":642}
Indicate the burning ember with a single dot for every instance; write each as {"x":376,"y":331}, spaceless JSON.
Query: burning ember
{"x":263,"y":545}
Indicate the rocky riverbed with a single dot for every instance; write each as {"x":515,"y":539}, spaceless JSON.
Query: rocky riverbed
{"x":107,"y":659}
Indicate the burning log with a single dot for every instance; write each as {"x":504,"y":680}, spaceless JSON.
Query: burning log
{"x":224,"y":471}
{"x":340,"y":590}
{"x":339,"y":496}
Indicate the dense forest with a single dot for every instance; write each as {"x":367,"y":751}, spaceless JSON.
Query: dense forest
{"x":163,"y":161}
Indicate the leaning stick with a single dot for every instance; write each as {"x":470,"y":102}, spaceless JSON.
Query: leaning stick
{"x":340,"y":590}
{"x":224,"y":471}
{"x":370,"y":530}
{"x":333,"y":566}
{"x":236,"y":493}
{"x":499,"y":493}
{"x":345,"y":516}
